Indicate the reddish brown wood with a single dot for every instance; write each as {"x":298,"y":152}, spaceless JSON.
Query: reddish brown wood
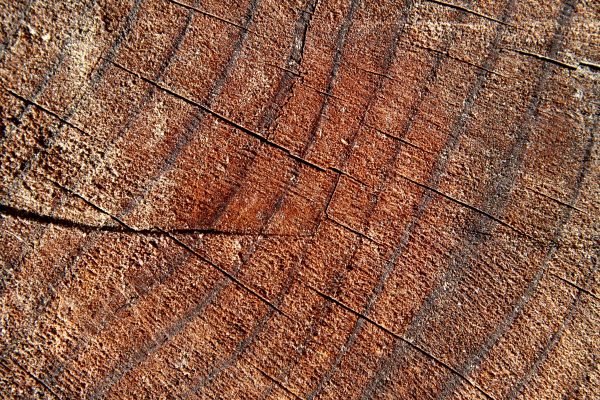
{"x":299,"y":199}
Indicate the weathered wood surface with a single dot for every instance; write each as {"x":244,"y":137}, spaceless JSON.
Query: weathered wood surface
{"x":299,"y":199}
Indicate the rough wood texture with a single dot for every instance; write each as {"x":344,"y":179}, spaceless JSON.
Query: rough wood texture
{"x":333,"y":199}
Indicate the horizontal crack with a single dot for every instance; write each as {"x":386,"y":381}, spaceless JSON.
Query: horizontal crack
{"x":20,"y":213}
{"x":227,"y":274}
{"x":276,"y":382}
{"x":180,"y":244}
{"x":576,"y":286}
{"x":224,"y":119}
{"x":399,"y":139}
{"x":467,"y":205}
{"x":401,"y":338}
{"x":208,"y":14}
{"x":590,"y":65}
{"x":572,"y":207}
{"x":469,"y":11}
{"x":544,"y":58}
{"x":44,"y":109}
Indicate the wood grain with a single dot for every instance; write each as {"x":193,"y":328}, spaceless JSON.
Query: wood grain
{"x":316,"y":199}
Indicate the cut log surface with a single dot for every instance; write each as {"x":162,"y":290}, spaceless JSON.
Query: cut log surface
{"x":299,"y":199}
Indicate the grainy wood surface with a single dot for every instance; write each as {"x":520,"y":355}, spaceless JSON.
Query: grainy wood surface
{"x":269,"y":199}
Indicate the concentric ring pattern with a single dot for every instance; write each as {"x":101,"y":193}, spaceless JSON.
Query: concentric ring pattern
{"x":283,"y":199}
